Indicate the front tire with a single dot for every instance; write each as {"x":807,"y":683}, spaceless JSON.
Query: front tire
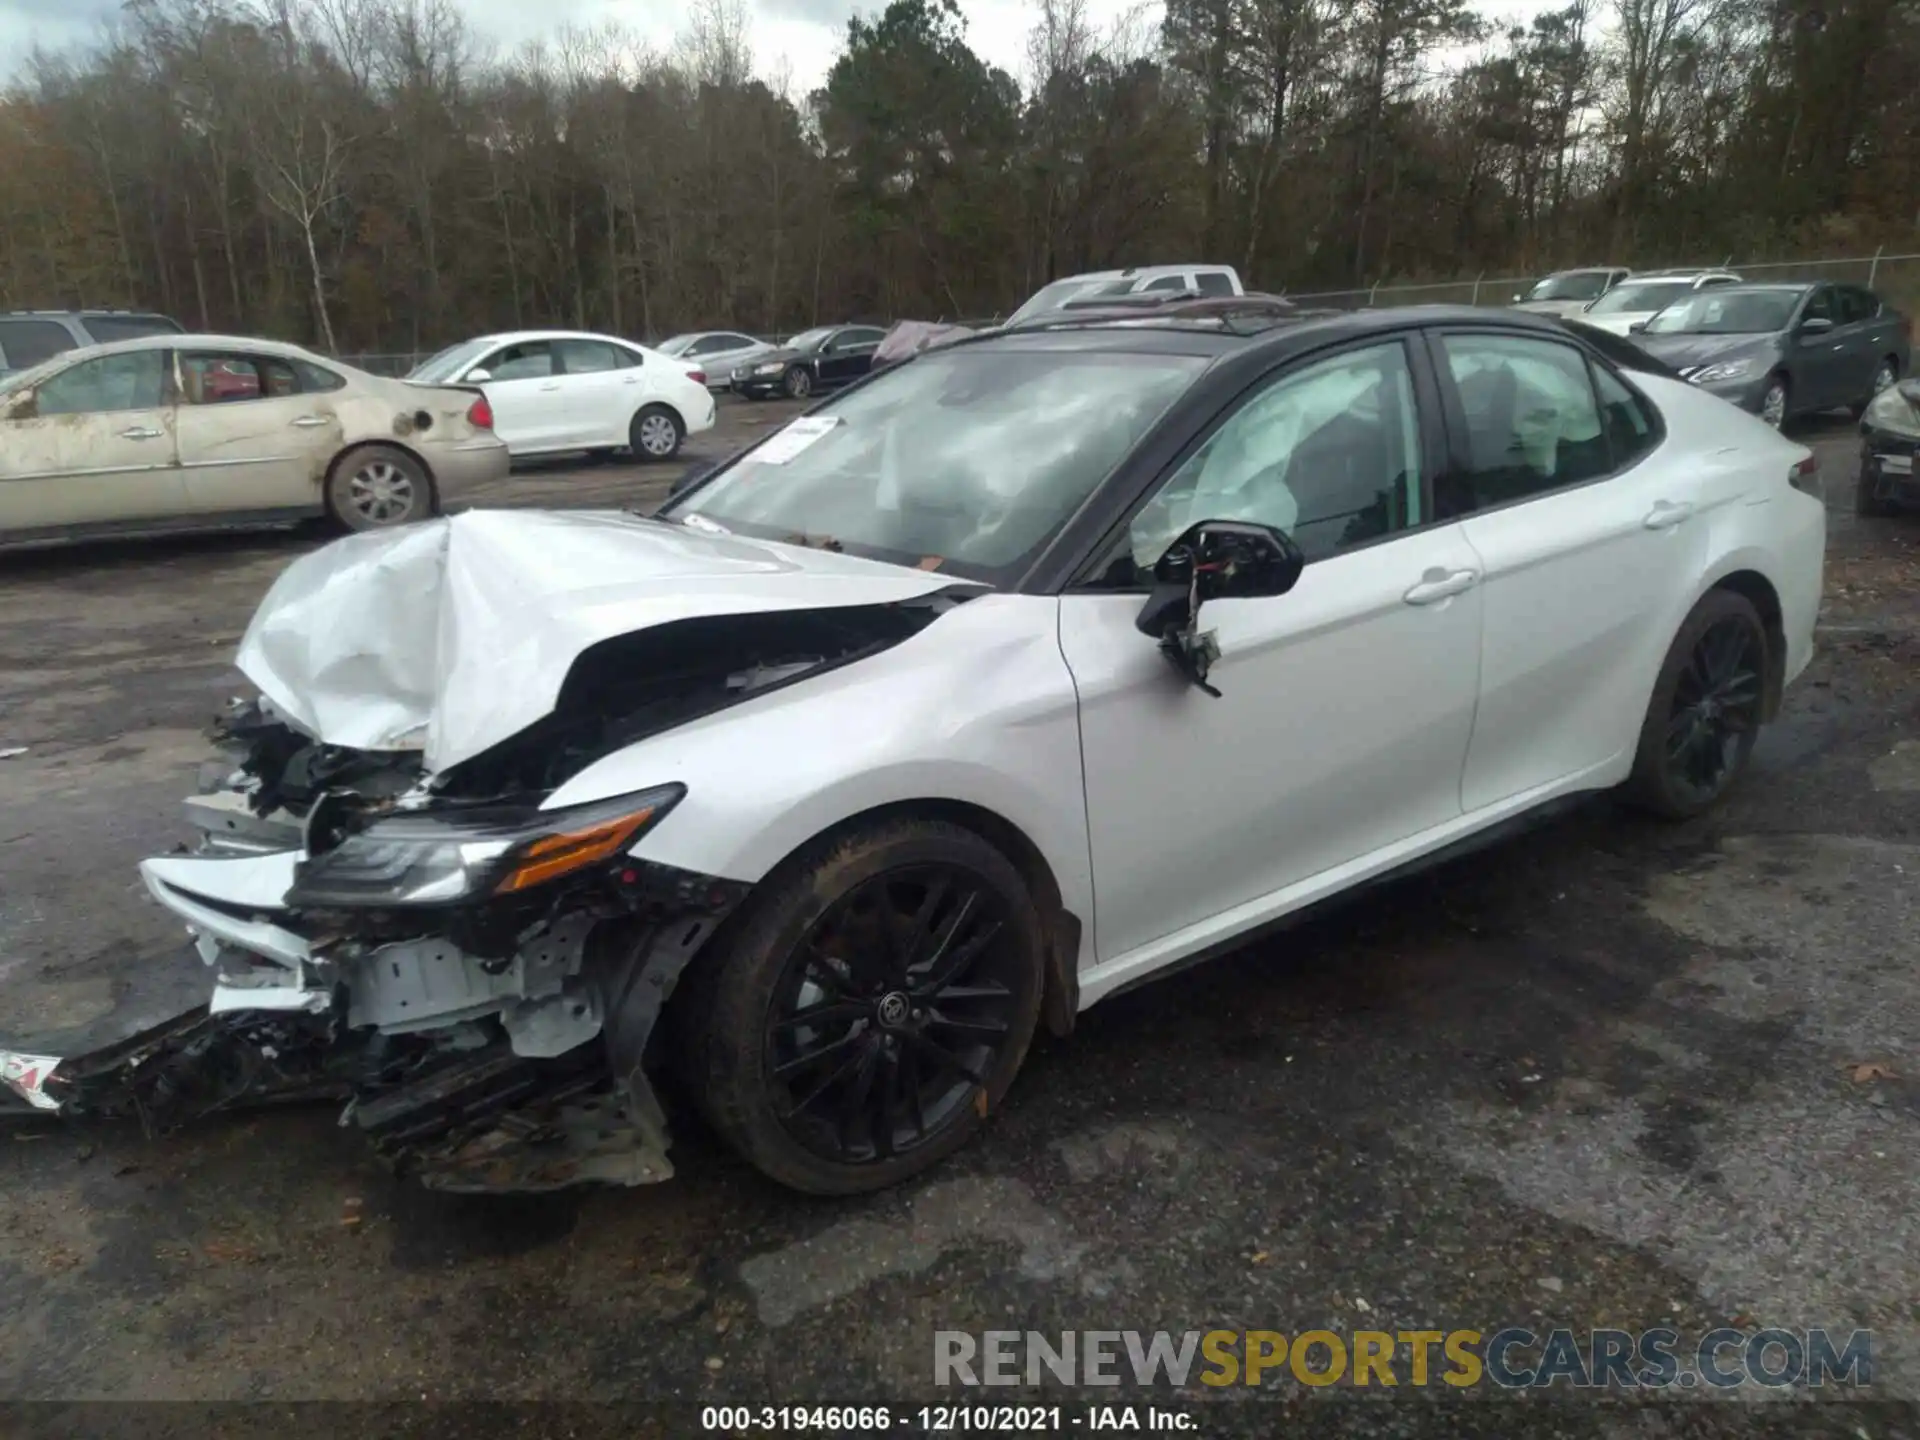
{"x":375,"y":487}
{"x":1867,"y":501}
{"x":868,"y":1008}
{"x":656,"y":433}
{"x":1774,"y":401}
{"x":1705,"y":713}
{"x":798,"y":383}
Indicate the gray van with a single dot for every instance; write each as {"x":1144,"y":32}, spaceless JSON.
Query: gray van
{"x":29,"y":336}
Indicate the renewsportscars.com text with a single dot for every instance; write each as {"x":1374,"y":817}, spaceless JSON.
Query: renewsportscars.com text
{"x":1511,"y":1358}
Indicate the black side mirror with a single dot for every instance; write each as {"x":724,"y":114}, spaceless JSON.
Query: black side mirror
{"x":1638,"y":327}
{"x":1213,"y":560}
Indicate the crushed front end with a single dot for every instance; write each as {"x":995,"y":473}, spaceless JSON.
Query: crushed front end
{"x":475,"y":977}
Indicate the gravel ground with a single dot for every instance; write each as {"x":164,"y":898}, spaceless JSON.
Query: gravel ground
{"x":1612,"y":1075}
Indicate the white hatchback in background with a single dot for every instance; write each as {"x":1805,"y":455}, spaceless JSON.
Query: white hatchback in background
{"x":715,"y":354}
{"x":554,"y":391}
{"x":1639,"y":298}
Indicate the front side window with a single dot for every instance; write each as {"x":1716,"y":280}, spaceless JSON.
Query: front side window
{"x":1329,"y":454}
{"x":1857,"y":305}
{"x":1532,"y":422}
{"x":968,"y":460}
{"x":1168,"y":283}
{"x":450,"y":364}
{"x":136,"y":380}
{"x":1820,"y":306}
{"x":529,"y":360}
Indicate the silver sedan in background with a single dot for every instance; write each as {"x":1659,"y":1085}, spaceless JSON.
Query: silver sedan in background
{"x":715,"y":353}
{"x":1784,"y":350}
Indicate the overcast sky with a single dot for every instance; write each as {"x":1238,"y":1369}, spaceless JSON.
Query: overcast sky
{"x":800,"y":37}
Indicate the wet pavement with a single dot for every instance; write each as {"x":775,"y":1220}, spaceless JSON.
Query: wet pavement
{"x":1614,"y":1074}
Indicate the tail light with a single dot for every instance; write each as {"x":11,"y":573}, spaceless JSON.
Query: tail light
{"x":480,"y":414}
{"x":698,"y":377}
{"x":1805,"y":476}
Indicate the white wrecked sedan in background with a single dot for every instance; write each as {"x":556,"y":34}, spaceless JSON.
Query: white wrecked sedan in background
{"x":1006,"y":680}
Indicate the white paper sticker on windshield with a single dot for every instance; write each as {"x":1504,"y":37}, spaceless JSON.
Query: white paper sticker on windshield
{"x":803,"y":432}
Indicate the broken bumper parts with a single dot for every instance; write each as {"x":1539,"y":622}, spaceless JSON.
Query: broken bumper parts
{"x":477,"y":989}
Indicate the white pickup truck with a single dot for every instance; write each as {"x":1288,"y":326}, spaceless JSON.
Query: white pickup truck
{"x":1142,"y":279}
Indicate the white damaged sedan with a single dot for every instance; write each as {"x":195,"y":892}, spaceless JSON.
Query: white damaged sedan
{"x":1006,"y":680}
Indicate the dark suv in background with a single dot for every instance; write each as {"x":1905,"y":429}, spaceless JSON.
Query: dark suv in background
{"x":28,"y":337}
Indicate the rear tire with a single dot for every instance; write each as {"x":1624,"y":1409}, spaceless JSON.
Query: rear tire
{"x":1705,"y":712}
{"x":376,"y":487}
{"x":656,"y":433}
{"x":904,"y":1062}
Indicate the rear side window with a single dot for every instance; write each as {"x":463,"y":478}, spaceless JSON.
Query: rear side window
{"x":108,"y":328}
{"x":26,"y":343}
{"x":1214,"y":282}
{"x":1531,"y":420}
{"x":1631,"y":432}
{"x":212,"y":379}
{"x":586,"y":357}
{"x":317,"y":379}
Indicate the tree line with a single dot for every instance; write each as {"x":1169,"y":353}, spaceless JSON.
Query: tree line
{"x":373,"y":175}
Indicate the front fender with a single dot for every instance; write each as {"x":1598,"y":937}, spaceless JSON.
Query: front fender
{"x":978,"y":709}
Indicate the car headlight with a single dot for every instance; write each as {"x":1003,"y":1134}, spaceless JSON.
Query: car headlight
{"x":455,"y":859}
{"x":772,"y":367}
{"x":1725,"y":370}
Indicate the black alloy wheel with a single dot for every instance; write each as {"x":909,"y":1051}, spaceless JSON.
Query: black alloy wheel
{"x":891,"y":1013}
{"x":1706,"y":709}
{"x":871,"y":1008}
{"x":1716,"y":706}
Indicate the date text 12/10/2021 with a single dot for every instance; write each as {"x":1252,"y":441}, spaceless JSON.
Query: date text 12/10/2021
{"x":947,"y":1419}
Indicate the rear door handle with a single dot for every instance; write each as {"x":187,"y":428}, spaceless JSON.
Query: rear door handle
{"x":141,"y":432}
{"x":1665,"y":515}
{"x":1438,"y":585}
{"x":309,"y":422}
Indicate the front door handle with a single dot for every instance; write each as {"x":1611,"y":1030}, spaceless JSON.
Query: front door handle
{"x":1437,"y":585}
{"x":554,"y":386}
{"x":141,"y":432}
{"x":1665,"y":515}
{"x":309,"y":422}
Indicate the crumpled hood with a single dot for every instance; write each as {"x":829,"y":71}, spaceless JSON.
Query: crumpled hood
{"x":1685,"y":352}
{"x":451,"y":635}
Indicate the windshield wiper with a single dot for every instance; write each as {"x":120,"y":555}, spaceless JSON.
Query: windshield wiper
{"x":816,"y":542}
